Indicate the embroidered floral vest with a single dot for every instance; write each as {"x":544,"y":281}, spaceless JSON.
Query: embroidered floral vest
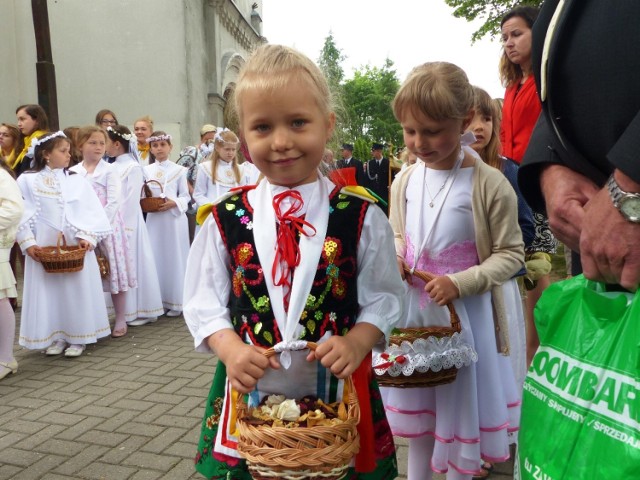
{"x":332,"y":304}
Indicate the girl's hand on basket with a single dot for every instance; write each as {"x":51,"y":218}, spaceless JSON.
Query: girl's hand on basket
{"x":167,"y":205}
{"x":342,"y":355}
{"x":442,"y":290}
{"x":85,"y":245}
{"x":245,"y":363}
{"x":402,"y":266}
{"x":33,"y":252}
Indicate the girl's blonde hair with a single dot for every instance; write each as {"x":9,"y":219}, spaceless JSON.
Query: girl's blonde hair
{"x":226,"y":136}
{"x":83,"y":134}
{"x":486,"y":106}
{"x":438,"y":90}
{"x":274,"y":67}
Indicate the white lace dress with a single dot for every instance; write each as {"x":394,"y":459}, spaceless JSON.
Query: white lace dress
{"x":144,"y":301}
{"x":61,"y":306}
{"x":169,"y":230}
{"x":468,"y":418}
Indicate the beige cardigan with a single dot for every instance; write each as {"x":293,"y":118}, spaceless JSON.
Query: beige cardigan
{"x":498,"y":238}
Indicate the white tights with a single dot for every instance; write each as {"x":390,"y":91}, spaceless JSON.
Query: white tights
{"x":420,"y":453}
{"x":7,"y":330}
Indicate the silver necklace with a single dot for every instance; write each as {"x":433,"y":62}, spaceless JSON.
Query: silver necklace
{"x":433,"y":197}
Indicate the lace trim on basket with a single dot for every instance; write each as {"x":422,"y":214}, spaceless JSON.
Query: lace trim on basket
{"x":422,"y":355}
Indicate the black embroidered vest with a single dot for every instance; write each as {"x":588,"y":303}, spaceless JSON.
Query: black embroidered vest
{"x":332,"y":303}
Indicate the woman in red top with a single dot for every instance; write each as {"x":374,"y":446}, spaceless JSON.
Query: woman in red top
{"x":521,"y":106}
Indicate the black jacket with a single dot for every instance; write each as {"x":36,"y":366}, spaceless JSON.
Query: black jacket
{"x":590,"y":118}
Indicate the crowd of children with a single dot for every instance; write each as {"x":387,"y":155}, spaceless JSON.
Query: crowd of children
{"x":94,"y":204}
{"x":295,"y":255}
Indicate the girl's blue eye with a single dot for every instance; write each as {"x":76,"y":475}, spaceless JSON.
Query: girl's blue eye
{"x":299,"y":123}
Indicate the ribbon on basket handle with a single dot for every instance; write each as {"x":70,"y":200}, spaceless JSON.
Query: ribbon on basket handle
{"x":285,"y":349}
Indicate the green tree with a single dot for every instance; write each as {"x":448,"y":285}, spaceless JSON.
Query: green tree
{"x":330,"y":61}
{"x":491,"y":11}
{"x":367,"y":103}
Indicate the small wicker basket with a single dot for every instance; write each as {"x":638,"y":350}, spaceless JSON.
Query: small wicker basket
{"x":318,"y":452}
{"x":62,"y":258}
{"x":429,"y":378}
{"x":149,"y":203}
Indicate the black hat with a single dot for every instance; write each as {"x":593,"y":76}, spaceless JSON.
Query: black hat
{"x":377,"y":146}
{"x":347,"y":146}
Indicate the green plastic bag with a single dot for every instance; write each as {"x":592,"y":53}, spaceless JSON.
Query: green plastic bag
{"x":581,"y":399}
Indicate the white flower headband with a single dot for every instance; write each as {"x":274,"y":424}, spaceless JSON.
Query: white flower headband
{"x":159,"y":138}
{"x":124,"y":136}
{"x":218,"y":136}
{"x":36,"y":142}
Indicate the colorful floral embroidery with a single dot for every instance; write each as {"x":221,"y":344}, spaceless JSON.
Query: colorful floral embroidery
{"x":240,"y":212}
{"x":244,"y":220}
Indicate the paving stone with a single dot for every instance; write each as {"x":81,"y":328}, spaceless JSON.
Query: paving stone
{"x":105,"y":471}
{"x":40,"y":468}
{"x":88,"y":455}
{"x":151,"y":460}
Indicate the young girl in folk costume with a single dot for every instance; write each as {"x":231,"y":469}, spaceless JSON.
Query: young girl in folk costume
{"x":60,"y":309}
{"x":144,"y":303}
{"x":456,"y":218}
{"x":276,"y":289}
{"x":11,"y":208}
{"x":221,"y":173}
{"x":142,"y":128}
{"x":105,"y":179}
{"x":168,"y":228}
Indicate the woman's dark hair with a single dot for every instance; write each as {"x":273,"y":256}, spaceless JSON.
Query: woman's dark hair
{"x":528,"y":14}
{"x":39,"y":115}
{"x":509,"y":71}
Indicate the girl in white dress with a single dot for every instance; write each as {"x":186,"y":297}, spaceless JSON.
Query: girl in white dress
{"x":168,"y":228}
{"x":91,"y":142}
{"x":217,"y":176}
{"x":144,"y":303}
{"x":60,"y":309}
{"x":456,"y":218}
{"x":11,"y":208}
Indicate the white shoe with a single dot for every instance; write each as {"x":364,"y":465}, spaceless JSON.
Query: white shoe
{"x":141,"y":321}
{"x":173,"y":313}
{"x":74,"y":350}
{"x":57,"y":348}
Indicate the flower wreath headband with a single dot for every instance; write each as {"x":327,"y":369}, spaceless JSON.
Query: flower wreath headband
{"x":159,"y":138}
{"x":125,"y":136}
{"x":36,"y":142}
{"x":218,"y":136}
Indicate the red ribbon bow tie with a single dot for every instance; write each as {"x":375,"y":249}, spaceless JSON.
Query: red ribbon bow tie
{"x":287,"y":247}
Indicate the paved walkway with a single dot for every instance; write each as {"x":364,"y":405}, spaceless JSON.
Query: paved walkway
{"x":127,"y":409}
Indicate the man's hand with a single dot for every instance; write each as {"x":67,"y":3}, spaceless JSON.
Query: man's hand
{"x":566,"y":193}
{"x":609,"y":244}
